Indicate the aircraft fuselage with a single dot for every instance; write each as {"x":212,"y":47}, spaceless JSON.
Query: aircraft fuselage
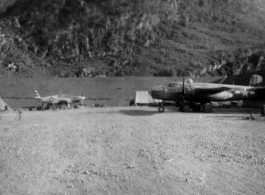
{"x":207,"y":92}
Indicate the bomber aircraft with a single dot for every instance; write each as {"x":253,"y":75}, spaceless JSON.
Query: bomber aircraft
{"x":61,"y":101}
{"x":198,"y":96}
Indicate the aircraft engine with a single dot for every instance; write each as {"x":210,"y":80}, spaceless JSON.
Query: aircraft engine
{"x":224,"y":95}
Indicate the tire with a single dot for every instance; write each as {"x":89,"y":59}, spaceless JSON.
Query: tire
{"x":161,"y":109}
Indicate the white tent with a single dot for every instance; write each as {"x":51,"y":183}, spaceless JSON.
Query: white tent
{"x":3,"y":105}
{"x":8,"y":113}
{"x":143,"y":97}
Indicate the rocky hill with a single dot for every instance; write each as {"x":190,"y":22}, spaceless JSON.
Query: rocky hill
{"x":131,"y":37}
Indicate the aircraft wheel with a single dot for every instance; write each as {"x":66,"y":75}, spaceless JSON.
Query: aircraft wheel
{"x":161,"y":109}
{"x":207,"y":108}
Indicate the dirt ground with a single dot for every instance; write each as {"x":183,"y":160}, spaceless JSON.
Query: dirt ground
{"x":132,"y":150}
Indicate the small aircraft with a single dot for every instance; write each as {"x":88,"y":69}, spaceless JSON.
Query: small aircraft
{"x":61,"y":101}
{"x":198,"y":96}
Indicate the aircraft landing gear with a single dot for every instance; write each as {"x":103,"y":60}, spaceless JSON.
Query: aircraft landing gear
{"x":196,"y":107}
{"x":206,"y":107}
{"x":63,"y":106}
{"x":182,"y":108}
{"x":161,"y":107}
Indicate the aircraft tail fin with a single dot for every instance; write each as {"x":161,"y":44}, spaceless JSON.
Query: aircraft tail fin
{"x":255,"y":80}
{"x":37,"y":95}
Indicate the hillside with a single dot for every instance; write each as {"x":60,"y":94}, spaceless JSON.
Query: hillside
{"x":126,"y":37}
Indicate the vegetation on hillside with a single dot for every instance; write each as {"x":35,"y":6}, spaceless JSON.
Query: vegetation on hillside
{"x":131,"y":37}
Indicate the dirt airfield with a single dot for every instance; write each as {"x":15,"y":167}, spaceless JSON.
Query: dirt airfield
{"x":132,"y":150}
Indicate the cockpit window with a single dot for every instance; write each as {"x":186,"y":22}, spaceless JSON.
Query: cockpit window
{"x":175,"y":85}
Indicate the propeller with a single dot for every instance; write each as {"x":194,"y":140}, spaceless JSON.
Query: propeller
{"x":183,"y":93}
{"x":82,"y":101}
{"x":183,"y":90}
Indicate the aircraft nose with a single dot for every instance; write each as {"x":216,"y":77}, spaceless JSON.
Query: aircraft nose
{"x":159,"y":88}
{"x":157,"y":91}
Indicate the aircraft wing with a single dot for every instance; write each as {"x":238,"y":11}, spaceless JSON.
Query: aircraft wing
{"x":213,"y":89}
{"x":63,"y":100}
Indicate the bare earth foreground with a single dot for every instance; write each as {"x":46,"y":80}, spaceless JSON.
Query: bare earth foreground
{"x":132,"y":151}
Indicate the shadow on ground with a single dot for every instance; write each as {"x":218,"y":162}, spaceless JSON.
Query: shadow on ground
{"x":138,"y":112}
{"x":172,"y":109}
{"x":254,"y":117}
{"x":235,"y":111}
{"x":154,"y":110}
